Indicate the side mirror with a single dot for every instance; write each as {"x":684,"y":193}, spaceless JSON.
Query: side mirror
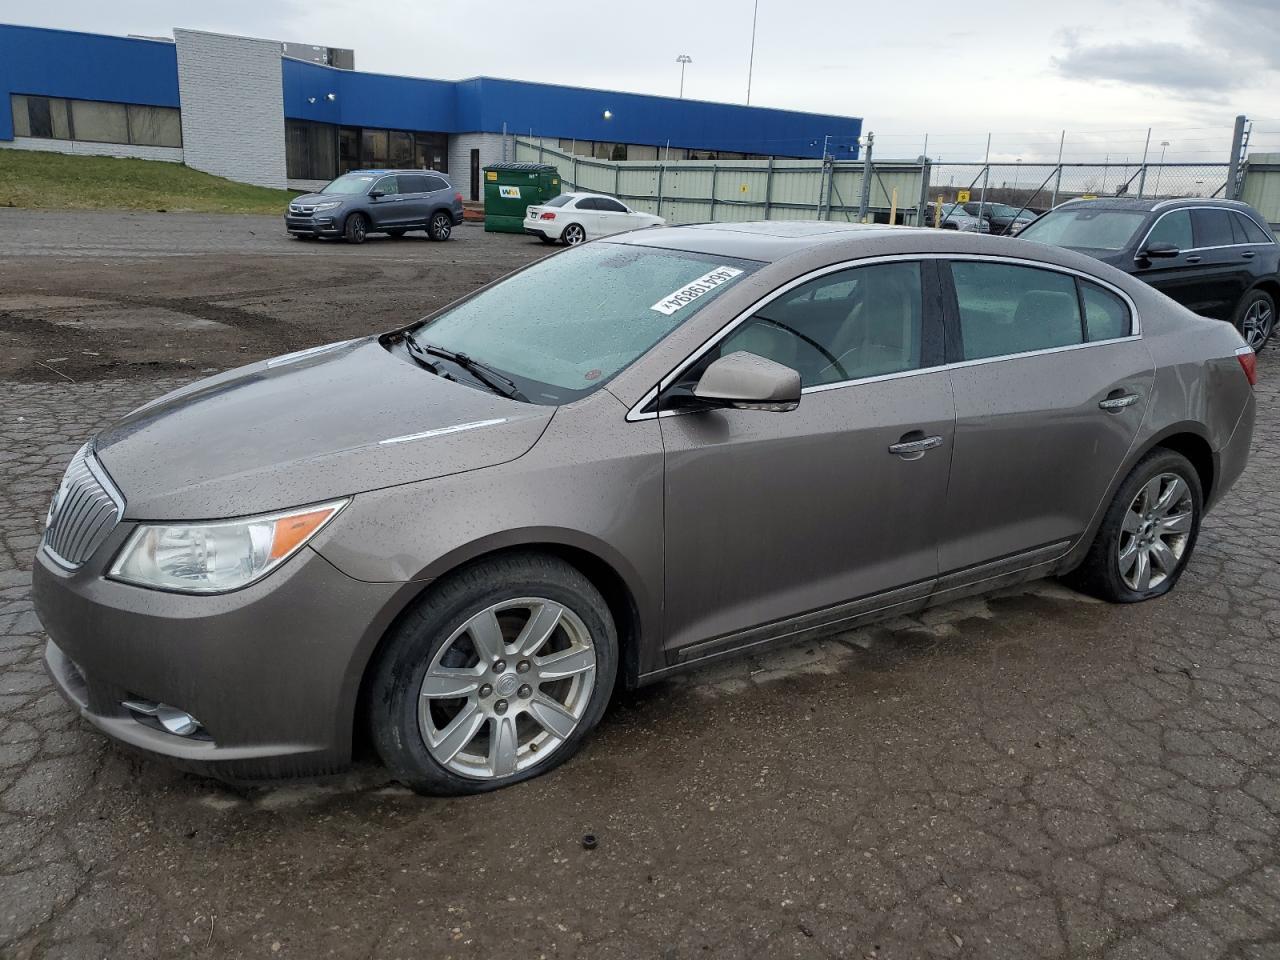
{"x":1161,"y":250}
{"x":376,"y":194}
{"x":746,"y":381}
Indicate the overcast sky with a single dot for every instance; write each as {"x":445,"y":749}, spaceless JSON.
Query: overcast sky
{"x":1104,"y":70}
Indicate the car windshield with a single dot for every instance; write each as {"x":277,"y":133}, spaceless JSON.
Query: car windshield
{"x":1001,"y":210}
{"x":350,"y":183}
{"x":1086,"y":229}
{"x":562,"y":327}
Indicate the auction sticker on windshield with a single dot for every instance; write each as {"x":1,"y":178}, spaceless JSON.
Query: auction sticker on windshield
{"x":679,"y":299}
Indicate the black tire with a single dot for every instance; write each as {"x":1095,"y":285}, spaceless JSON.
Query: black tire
{"x":441,"y":226}
{"x":397,"y":234}
{"x":1100,"y":573}
{"x":356,"y":228}
{"x":1257,"y":333}
{"x":397,"y":676}
{"x":573,"y":234}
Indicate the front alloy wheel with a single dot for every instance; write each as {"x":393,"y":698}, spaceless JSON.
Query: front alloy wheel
{"x":497,"y":675}
{"x":508,"y":688}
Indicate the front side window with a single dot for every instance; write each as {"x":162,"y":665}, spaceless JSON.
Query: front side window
{"x":387,"y":186}
{"x":562,"y":327}
{"x":847,"y":325}
{"x":1173,"y":228}
{"x":1086,"y":228}
{"x":1007,"y":309}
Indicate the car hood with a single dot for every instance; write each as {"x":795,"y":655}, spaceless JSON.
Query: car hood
{"x":306,"y":427}
{"x":310,"y":198}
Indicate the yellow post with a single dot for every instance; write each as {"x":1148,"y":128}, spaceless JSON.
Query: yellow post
{"x":937,"y":213}
{"x":893,"y":207}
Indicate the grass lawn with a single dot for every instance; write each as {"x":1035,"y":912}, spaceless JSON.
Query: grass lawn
{"x":56,"y":181}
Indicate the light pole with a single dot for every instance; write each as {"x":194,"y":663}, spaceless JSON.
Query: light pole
{"x":1017,"y":170}
{"x":684,"y":60}
{"x":1164,"y":145}
{"x":751,"y":60}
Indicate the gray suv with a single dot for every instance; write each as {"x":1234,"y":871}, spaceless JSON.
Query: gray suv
{"x":377,"y":201}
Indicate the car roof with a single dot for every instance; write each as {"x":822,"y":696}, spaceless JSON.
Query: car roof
{"x":1149,"y":204}
{"x":773,"y":240}
{"x":396,"y":170}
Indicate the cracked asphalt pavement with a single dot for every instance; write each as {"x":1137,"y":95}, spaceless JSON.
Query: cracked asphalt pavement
{"x":1032,"y":774}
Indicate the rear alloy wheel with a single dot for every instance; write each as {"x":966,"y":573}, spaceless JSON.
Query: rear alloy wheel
{"x":441,"y":226}
{"x":497,"y":677}
{"x":1256,"y":319}
{"x":574,"y":235}
{"x":356,"y":229}
{"x":1148,"y":533}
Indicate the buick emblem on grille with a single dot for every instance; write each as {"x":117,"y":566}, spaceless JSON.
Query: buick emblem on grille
{"x":85,"y":509}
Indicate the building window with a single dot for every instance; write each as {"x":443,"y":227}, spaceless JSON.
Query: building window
{"x":321,"y":151}
{"x":96,"y":121}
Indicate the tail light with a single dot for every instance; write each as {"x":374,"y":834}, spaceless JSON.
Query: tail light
{"x":1249,"y":364}
{"x":458,"y":197}
{"x":547,"y":216}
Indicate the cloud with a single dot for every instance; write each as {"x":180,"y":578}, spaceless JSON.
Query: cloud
{"x":1174,"y":68}
{"x":1251,"y":27}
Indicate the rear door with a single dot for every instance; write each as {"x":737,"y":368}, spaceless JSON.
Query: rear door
{"x":1048,"y":403}
{"x":415,"y":198}
{"x":773,"y":515}
{"x":1225,"y":270}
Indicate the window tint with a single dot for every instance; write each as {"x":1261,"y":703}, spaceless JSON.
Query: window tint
{"x":1006,"y":309}
{"x":1106,"y":316}
{"x":413,"y":183}
{"x":97,"y":121}
{"x":1252,"y":232}
{"x":1212,"y":228}
{"x":613,"y":206}
{"x":387,"y":185}
{"x":559,"y":201}
{"x":436,"y":183}
{"x":40,"y":123}
{"x":100,"y":122}
{"x":863,"y":322}
{"x":1173,"y":228}
{"x":587,"y":203}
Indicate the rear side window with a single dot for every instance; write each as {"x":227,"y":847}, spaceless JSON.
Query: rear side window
{"x":1252,"y":232}
{"x":413,"y":183}
{"x":1212,"y":228}
{"x":588,"y":203}
{"x":613,"y":206}
{"x":1173,"y":228}
{"x":1007,"y":309}
{"x":1106,"y":316}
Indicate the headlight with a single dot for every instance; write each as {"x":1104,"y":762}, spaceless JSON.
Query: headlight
{"x":327,"y":205}
{"x":217,"y":557}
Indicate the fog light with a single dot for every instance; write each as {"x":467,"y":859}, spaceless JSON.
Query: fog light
{"x":171,"y":719}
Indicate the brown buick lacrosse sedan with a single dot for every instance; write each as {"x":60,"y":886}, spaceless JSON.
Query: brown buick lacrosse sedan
{"x":641,"y":454}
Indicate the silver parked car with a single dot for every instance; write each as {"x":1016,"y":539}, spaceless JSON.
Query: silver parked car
{"x":638,"y":455}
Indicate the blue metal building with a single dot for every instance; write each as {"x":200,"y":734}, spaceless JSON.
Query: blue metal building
{"x":237,"y":107}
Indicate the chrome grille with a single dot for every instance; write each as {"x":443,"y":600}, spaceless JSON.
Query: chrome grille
{"x":84,"y":511}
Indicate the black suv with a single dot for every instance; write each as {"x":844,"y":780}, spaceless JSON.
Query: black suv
{"x":377,"y":201}
{"x":1216,"y":257}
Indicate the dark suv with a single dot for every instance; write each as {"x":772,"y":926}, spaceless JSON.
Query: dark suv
{"x":1216,"y":257}
{"x":377,"y":201}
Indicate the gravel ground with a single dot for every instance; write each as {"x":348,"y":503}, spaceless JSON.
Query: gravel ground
{"x":1028,"y":775}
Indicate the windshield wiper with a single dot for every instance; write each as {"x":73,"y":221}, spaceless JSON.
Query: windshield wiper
{"x":488,"y":376}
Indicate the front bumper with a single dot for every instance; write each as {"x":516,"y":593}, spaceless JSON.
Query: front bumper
{"x":316,"y":226}
{"x":272,"y":672}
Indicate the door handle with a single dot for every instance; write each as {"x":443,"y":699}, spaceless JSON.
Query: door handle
{"x":1249,"y":254}
{"x":1194,"y":259}
{"x":1112,"y":404}
{"x":914,"y":449}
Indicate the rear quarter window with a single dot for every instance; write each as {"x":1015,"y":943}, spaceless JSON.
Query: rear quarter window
{"x":1106,"y":316}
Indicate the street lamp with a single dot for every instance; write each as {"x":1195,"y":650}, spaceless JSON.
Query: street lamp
{"x":684,"y":59}
{"x":1164,"y":145}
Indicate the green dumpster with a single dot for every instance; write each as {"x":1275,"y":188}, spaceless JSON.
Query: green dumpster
{"x":511,"y":188}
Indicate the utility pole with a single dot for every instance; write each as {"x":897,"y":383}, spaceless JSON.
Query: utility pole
{"x":751,"y":60}
{"x":1164,"y":145}
{"x":1142,"y":177}
{"x":1057,"y":184}
{"x":684,"y":59}
{"x":864,"y":204}
{"x":986,"y":177}
{"x":1239,"y":139}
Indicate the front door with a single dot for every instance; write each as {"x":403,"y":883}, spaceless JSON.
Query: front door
{"x":1047,"y":407}
{"x":769,"y":516}
{"x":1187,"y":277}
{"x":389,"y":209}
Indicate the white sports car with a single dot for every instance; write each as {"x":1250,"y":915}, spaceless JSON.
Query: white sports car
{"x":572,"y":218}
